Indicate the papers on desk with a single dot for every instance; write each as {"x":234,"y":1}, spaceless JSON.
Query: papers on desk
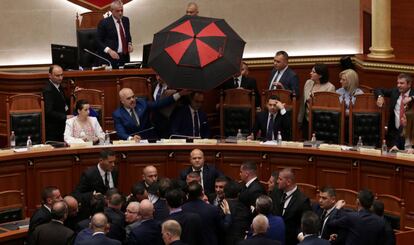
{"x":6,"y":152}
{"x":78,"y":143}
{"x":292,"y":144}
{"x":129,"y":142}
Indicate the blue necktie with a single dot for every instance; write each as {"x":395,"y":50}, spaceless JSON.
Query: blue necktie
{"x":159,"y":92}
{"x":269,"y":132}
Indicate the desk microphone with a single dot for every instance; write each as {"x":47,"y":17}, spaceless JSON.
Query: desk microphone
{"x":56,"y":144}
{"x":142,"y":131}
{"x":181,"y":136}
{"x":109,"y":67}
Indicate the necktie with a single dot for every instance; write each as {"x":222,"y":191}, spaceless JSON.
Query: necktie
{"x":135,"y":117}
{"x":273,"y":87}
{"x":196,"y":124}
{"x":124,"y":44}
{"x":236,"y":82}
{"x":402,"y":110}
{"x":106,"y":180}
{"x":159,"y":92}
{"x":269,"y":132}
{"x":282,"y":202}
{"x":323,"y":217}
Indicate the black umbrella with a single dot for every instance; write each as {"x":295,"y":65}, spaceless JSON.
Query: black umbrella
{"x":197,"y":53}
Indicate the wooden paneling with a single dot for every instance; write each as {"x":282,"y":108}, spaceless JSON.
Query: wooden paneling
{"x":337,"y":173}
{"x":302,"y":166}
{"x":402,"y":30}
{"x":380,"y":178}
{"x":231,"y":162}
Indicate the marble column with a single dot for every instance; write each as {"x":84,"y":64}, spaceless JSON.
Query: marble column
{"x":381,"y":30}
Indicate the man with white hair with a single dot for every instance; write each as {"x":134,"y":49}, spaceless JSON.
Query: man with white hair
{"x":260,"y":225}
{"x":132,"y":217}
{"x":114,"y":38}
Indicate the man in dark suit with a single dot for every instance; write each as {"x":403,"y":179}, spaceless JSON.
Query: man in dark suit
{"x":217,"y":196}
{"x":290,"y":203}
{"x":133,"y":116}
{"x":116,"y":217}
{"x":113,"y":36}
{"x":97,"y":179}
{"x":210,"y":215}
{"x":260,"y":225}
{"x":149,"y":175}
{"x":171,"y":232}
{"x":310,"y":226}
{"x":189,"y":120}
{"x":378,"y":209}
{"x":208,"y":173}
{"x":282,"y":77}
{"x":56,"y":105}
{"x":100,"y":226}
{"x":54,"y":232}
{"x":241,"y":80}
{"x":401,"y":99}
{"x":149,"y":232}
{"x":50,"y":195}
{"x":191,"y":231}
{"x":363,"y":227}
{"x":269,"y":123}
{"x":252,"y":188}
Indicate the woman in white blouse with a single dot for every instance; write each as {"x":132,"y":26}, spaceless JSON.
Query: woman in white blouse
{"x":83,"y":126}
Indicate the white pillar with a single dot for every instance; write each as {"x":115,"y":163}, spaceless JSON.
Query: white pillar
{"x":381,"y":30}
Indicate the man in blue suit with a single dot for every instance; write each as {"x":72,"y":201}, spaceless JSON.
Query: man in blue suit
{"x":133,"y":116}
{"x":189,"y":120}
{"x":114,"y":39}
{"x":100,"y":226}
{"x":282,"y":77}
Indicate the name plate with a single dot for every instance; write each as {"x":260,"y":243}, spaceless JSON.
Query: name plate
{"x":41,"y":147}
{"x":370,"y":151}
{"x":248,"y":142}
{"x":123,"y":142}
{"x":6,"y":152}
{"x":80,"y":145}
{"x":406,"y":156}
{"x":174,"y":141}
{"x":205,"y":141}
{"x":293,"y":144}
{"x":330,"y":147}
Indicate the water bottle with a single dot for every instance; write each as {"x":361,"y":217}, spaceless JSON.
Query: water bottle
{"x":107,"y":138}
{"x":313,"y":141}
{"x":384,"y":149}
{"x":29,"y":143}
{"x":12,"y":140}
{"x":359,"y":144}
{"x":279,"y":138}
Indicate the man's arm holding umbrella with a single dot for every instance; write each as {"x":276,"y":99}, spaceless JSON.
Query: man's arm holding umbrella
{"x":161,"y":103}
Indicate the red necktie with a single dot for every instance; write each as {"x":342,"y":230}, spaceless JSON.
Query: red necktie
{"x":124,"y":44}
{"x":402,"y":110}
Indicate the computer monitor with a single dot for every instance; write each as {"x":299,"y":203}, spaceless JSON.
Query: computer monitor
{"x":65,"y":56}
{"x":145,"y":54}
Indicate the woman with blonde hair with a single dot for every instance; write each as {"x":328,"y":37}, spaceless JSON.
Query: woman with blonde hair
{"x":350,"y":83}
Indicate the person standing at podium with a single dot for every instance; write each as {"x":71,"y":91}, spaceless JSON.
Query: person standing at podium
{"x":114,"y":38}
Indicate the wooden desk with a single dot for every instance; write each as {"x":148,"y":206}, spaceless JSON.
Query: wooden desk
{"x":13,"y":235}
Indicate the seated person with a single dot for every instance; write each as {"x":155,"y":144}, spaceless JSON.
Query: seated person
{"x":269,"y":122}
{"x":83,"y":126}
{"x":189,"y":120}
{"x":350,"y":82}
{"x":132,"y":118}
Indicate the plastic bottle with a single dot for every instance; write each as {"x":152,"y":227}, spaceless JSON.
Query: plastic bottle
{"x":29,"y":143}
{"x":384,"y":148}
{"x":313,"y":141}
{"x":107,"y":138}
{"x":279,"y":138}
{"x":359,"y":144}
{"x":12,"y":140}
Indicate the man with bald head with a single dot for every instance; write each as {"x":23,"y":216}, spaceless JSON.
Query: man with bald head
{"x":290,"y":203}
{"x":149,"y":231}
{"x":100,"y":226}
{"x":149,"y":175}
{"x":132,"y":118}
{"x":260,"y":225}
{"x":73,"y":208}
{"x":171,"y":232}
{"x":192,"y":9}
{"x":207,"y":172}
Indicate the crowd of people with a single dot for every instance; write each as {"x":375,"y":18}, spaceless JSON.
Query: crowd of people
{"x":202,"y":206}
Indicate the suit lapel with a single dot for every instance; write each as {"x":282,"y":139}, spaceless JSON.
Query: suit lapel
{"x":291,"y":203}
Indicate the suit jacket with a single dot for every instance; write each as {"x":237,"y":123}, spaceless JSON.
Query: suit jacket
{"x":298,"y":204}
{"x":91,"y":181}
{"x":55,"y":113}
{"x":53,"y":232}
{"x":210,"y":173}
{"x":259,"y":239}
{"x":100,"y":239}
{"x":161,"y":210}
{"x":210,"y":216}
{"x":191,"y":231}
{"x":246,"y":83}
{"x":182,"y":122}
{"x":393,"y":94}
{"x":240,"y":222}
{"x":107,"y":36}
{"x":363,"y":227}
{"x":281,"y":123}
{"x":289,"y":80}
{"x":117,"y":220}
{"x":83,"y":235}
{"x":125,"y":125}
{"x":41,"y":216}
{"x":149,"y":232}
{"x":248,"y":195}
{"x":327,"y":230}
{"x":314,"y":240}
{"x":178,"y":242}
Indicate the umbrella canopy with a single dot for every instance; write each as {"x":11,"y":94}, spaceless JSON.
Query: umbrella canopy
{"x":197,"y":53}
